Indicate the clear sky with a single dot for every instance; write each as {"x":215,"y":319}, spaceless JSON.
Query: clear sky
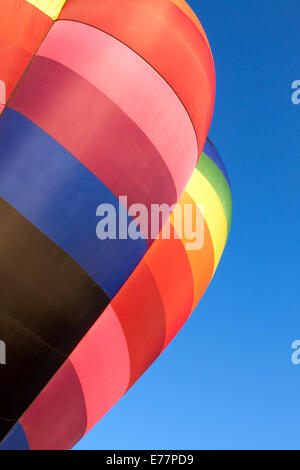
{"x":227,"y":380}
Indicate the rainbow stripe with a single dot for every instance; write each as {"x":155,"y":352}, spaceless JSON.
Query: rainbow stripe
{"x":97,"y":110}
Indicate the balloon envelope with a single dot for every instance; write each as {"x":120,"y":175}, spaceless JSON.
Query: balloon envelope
{"x":105,"y":104}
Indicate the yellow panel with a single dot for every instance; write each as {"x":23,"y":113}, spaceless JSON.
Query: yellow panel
{"x":204,"y":195}
{"x":52,"y":8}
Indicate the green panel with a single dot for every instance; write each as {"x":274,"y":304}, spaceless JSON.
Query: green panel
{"x":216,"y":178}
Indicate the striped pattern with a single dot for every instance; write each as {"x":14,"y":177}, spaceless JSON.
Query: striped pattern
{"x":103,"y":110}
{"x":132,"y":85}
{"x":134,"y":329}
{"x":63,"y":208}
{"x":189,"y":71}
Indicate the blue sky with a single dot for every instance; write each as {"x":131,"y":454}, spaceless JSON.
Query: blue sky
{"x":227,"y":380}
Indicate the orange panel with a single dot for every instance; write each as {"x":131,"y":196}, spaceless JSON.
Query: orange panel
{"x":189,"y":12}
{"x":202,"y":259}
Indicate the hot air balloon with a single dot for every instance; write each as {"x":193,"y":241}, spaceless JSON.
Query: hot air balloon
{"x":104,"y":100}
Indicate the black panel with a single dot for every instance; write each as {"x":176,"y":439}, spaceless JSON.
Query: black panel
{"x":47,"y":304}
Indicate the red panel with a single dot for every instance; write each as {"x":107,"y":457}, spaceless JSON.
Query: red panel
{"x":13,"y":62}
{"x":138,"y":305}
{"x":22,"y":29}
{"x":22,"y":24}
{"x":166,"y":38}
{"x":169,"y":264}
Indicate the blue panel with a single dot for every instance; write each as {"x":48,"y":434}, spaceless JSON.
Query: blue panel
{"x":213,"y":154}
{"x":16,"y":439}
{"x":59,"y":195}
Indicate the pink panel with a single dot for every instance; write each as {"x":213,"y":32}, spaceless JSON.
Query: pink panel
{"x":101,"y":361}
{"x":56,"y":420}
{"x":134,"y":86}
